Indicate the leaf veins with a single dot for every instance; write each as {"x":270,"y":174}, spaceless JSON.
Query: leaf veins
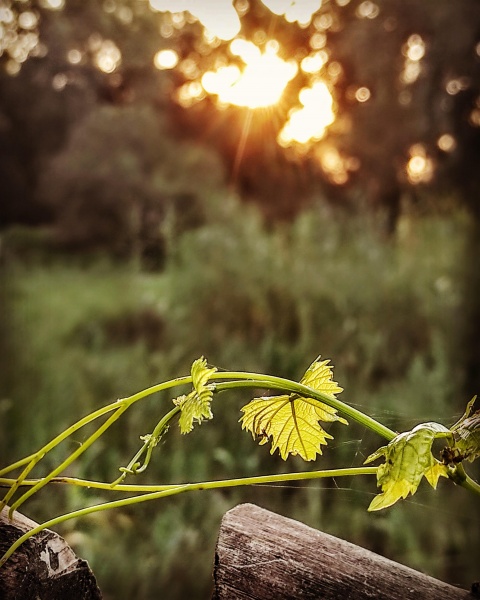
{"x":408,"y":458}
{"x":292,"y":421}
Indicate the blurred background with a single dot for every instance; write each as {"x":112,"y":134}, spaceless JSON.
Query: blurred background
{"x":258,"y":182}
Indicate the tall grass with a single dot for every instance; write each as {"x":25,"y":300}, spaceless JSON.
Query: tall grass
{"x":255,"y":299}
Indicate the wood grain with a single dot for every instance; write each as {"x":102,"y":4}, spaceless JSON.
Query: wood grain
{"x":261,"y":555}
{"x":44,"y":567}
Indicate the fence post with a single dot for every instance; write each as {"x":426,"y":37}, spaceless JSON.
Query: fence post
{"x":261,"y":555}
{"x":43,"y":567}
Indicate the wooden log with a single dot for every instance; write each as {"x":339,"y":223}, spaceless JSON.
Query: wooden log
{"x":44,"y":567}
{"x":261,"y":555}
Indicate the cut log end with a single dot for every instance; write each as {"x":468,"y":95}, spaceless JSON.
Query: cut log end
{"x":44,"y":567}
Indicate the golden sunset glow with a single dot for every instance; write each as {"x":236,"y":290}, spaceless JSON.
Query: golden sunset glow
{"x":255,"y":75}
{"x":260,"y":84}
{"x":309,"y":122}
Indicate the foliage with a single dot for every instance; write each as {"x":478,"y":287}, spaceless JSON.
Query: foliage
{"x":124,"y":177}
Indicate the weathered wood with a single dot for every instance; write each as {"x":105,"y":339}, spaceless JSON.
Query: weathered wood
{"x":44,"y":567}
{"x":263,"y":556}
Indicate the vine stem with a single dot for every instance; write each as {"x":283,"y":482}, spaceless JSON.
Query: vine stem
{"x":471,"y":485}
{"x":237,"y":380}
{"x":241,"y":379}
{"x":278,"y":383}
{"x":185,"y":487}
{"x":150,"y":441}
{"x":89,"y":483}
{"x":460,"y":477}
{"x":120,"y":406}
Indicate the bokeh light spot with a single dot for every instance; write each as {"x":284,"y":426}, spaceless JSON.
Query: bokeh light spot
{"x":108,"y":56}
{"x":219,"y":17}
{"x":52,"y":4}
{"x":27,"y":20}
{"x":313,"y":63}
{"x":74,"y":56}
{"x":420,"y":166}
{"x":362,"y":94}
{"x":165,"y":59}
{"x":446,"y":142}
{"x":294,"y":11}
{"x":59,"y":82}
{"x":367,"y":10}
{"x":475,"y":117}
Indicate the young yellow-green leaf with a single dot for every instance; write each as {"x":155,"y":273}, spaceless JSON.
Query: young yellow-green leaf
{"x":408,"y":458}
{"x":319,"y":376}
{"x":292,"y":421}
{"x":196,"y":406}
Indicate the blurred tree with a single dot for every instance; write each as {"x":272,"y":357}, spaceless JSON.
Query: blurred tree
{"x":91,"y":152}
{"x":118,"y":178}
{"x":404,"y":78}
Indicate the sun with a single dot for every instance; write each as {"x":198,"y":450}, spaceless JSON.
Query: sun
{"x":255,"y":77}
{"x":259,"y":84}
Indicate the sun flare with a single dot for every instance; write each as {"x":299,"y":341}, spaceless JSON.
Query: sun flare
{"x":251,"y":75}
{"x":260,"y":84}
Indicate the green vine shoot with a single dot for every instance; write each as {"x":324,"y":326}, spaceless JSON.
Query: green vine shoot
{"x":291,"y":422}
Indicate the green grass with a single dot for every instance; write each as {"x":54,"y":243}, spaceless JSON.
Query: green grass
{"x":385,"y":313}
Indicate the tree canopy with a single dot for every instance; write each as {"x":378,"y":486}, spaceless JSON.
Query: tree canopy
{"x":358,"y":98}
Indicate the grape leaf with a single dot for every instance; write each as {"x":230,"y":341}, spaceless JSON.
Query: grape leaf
{"x":292,"y":421}
{"x":196,"y":405}
{"x":408,"y":458}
